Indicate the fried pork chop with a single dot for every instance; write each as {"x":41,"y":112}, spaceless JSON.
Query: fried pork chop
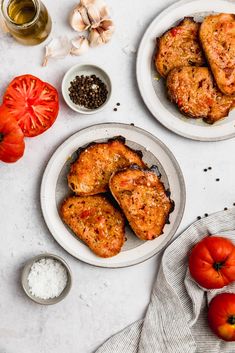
{"x":179,"y":46}
{"x":95,"y":221}
{"x":90,"y":174}
{"x":217,"y":35}
{"x":196,"y":94}
{"x":143,"y":199}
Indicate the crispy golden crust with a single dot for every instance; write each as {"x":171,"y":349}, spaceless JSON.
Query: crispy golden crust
{"x":217,"y":35}
{"x":143,"y":199}
{"x":90,"y":174}
{"x":196,"y":94}
{"x":179,"y":46}
{"x":95,"y":221}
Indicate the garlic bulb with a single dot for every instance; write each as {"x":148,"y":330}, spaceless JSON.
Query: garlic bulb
{"x":102,"y":34}
{"x":79,"y":19}
{"x":80,"y":46}
{"x":100,"y":6}
{"x":97,"y":11}
{"x":89,"y":13}
{"x":92,"y":15}
{"x":58,"y":48}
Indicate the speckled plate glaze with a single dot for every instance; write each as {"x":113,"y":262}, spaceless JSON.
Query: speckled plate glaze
{"x":54,"y":189}
{"x":153,"y":89}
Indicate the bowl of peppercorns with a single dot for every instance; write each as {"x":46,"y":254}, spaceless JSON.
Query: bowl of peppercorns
{"x":86,"y":88}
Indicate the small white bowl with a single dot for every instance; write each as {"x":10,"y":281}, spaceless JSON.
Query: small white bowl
{"x":86,"y":70}
{"x":25,"y":285}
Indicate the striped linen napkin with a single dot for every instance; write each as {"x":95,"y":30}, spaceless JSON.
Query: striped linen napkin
{"x":176,"y":319}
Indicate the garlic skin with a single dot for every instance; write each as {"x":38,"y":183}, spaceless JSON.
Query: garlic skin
{"x":58,"y":48}
{"x":79,"y":19}
{"x":97,"y":11}
{"x":102,"y":34}
{"x":100,"y":6}
{"x":80,"y":46}
{"x":92,"y":15}
{"x":88,"y":14}
{"x":95,"y":38}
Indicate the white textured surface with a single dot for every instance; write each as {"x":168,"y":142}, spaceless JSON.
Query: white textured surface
{"x":102,"y":301}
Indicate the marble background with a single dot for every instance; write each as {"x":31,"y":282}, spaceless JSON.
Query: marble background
{"x":102,"y":301}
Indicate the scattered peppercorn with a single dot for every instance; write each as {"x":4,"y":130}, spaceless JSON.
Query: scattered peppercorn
{"x":209,"y":168}
{"x":206,"y":214}
{"x":118,"y":104}
{"x":234,"y":204}
{"x":88,"y":91}
{"x":217,"y":179}
{"x":198,"y":218}
{"x":115,"y":109}
{"x":225,"y":209}
{"x":205,"y":170}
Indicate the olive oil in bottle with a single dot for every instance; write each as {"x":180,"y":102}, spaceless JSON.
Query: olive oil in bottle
{"x":27,"y":20}
{"x":21,"y":11}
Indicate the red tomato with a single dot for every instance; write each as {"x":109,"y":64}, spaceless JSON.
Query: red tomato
{"x":221,"y":316}
{"x":85,"y":214}
{"x":175,"y":31}
{"x":11,"y":138}
{"x":212,"y":262}
{"x":33,"y":103}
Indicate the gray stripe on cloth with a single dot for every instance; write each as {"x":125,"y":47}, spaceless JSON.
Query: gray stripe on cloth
{"x":176,"y":319}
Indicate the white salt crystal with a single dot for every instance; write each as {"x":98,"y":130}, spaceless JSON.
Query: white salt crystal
{"x":47,"y":278}
{"x":129,"y":49}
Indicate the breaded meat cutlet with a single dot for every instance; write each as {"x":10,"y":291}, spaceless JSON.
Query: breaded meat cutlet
{"x":179,"y":46}
{"x":217,"y":35}
{"x":196,"y":94}
{"x":143,"y":199}
{"x":90,"y":174}
{"x":95,"y":221}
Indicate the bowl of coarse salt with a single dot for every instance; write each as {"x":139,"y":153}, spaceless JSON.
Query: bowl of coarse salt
{"x":46,"y":279}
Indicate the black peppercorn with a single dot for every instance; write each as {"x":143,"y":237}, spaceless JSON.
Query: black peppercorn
{"x":88,"y":91}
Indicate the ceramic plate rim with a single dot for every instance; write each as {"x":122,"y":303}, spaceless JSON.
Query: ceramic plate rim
{"x":49,"y":169}
{"x":143,"y":68}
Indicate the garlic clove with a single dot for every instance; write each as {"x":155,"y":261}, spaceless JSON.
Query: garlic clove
{"x":79,"y":19}
{"x":76,"y":21}
{"x":103,"y":8}
{"x":102,"y":34}
{"x":94,"y":16}
{"x":104,"y":12}
{"x":95,"y":38}
{"x":105,"y":35}
{"x":97,"y":11}
{"x":98,"y":3}
{"x":58,"y":48}
{"x":80,"y":46}
{"x":107,"y":24}
{"x":85,"y":17}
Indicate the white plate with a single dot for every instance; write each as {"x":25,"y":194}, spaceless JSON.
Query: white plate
{"x":54,"y":189}
{"x":154,"y":92}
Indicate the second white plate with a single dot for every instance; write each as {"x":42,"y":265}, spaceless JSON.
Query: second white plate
{"x":153,"y":91}
{"x":54,"y":189}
